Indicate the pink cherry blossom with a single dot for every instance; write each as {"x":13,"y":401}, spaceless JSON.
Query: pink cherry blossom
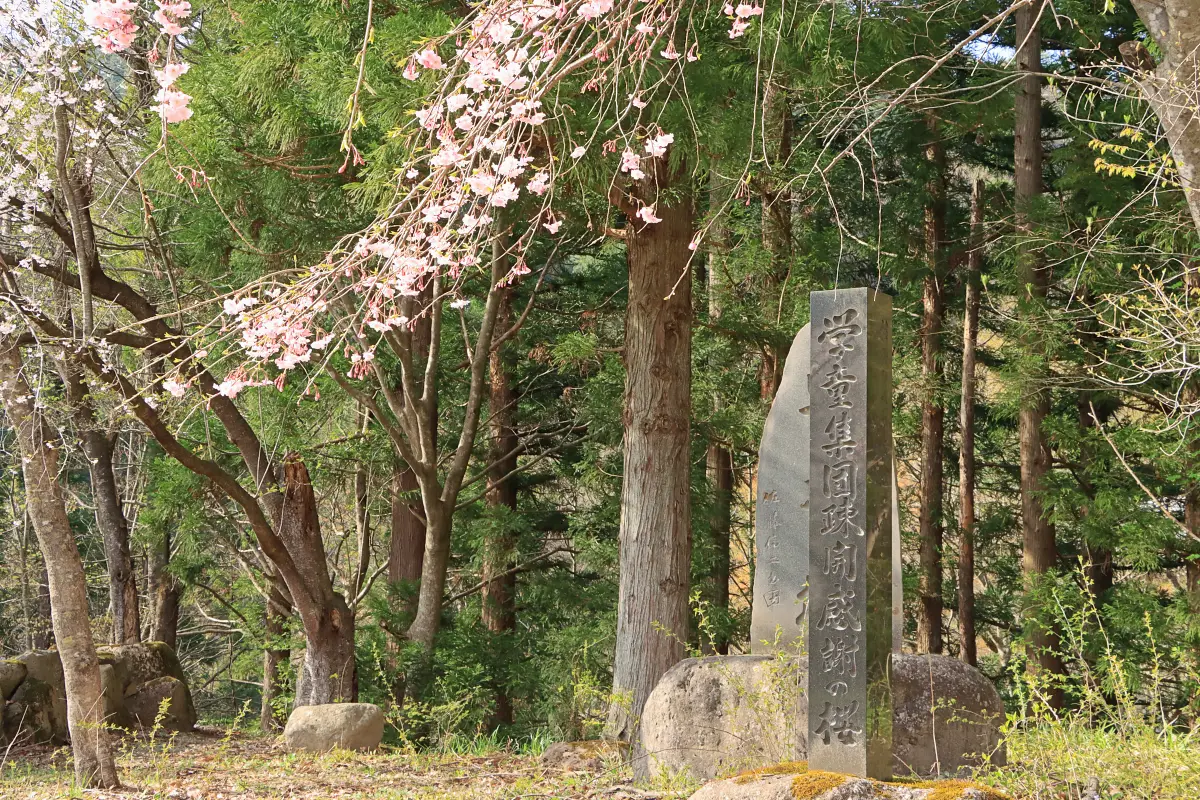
{"x":429,"y":59}
{"x":115,"y":21}
{"x":173,"y":105}
{"x":553,"y":225}
{"x":657,"y":146}
{"x":646,"y":215}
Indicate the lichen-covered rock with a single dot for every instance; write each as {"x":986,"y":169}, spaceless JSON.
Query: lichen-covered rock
{"x":349,"y":726}
{"x":45,"y":666}
{"x":145,"y":705}
{"x":12,"y":672}
{"x":35,"y":714}
{"x":710,"y":716}
{"x":140,"y":663}
{"x":964,"y":724}
{"x":805,"y":785}
{"x":115,"y":712}
{"x":588,"y":756}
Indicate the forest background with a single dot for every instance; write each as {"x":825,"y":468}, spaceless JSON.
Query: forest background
{"x":445,"y":515}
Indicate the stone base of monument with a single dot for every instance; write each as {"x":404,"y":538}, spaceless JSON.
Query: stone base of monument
{"x":794,"y":782}
{"x":723,"y":714}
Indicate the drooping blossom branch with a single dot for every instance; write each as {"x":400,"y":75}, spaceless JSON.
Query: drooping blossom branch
{"x":115,"y":32}
{"x":499,"y":134}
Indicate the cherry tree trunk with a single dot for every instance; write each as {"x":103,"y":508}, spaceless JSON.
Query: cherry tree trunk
{"x":499,"y":582}
{"x":164,"y":593}
{"x":110,"y":517}
{"x":45,"y":499}
{"x":329,"y":673}
{"x":655,"y":534}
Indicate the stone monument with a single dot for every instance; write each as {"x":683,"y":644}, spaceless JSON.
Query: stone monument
{"x":827,"y":557}
{"x":850,"y":542}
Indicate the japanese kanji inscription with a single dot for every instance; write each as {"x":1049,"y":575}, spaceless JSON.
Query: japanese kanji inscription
{"x":850,"y":547}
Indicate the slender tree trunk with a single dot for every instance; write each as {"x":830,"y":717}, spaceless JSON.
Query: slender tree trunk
{"x":777,"y":229}
{"x":407,"y":549}
{"x":966,"y":464}
{"x":718,"y":459}
{"x":1040,"y":550}
{"x":94,"y":763}
{"x":329,"y":674}
{"x":165,"y":593}
{"x":929,"y":617}
{"x":500,"y":585}
{"x":110,"y":516}
{"x":43,"y":628}
{"x":655,"y":537}
{"x":275,"y":626}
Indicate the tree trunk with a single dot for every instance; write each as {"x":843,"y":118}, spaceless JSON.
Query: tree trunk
{"x":966,"y":463}
{"x":329,"y":673}
{"x":655,"y":536}
{"x":110,"y":516}
{"x":407,"y":548}
{"x":718,"y":459}
{"x":499,"y":584}
{"x":1040,"y":553}
{"x":776,"y":229}
{"x":165,"y":593}
{"x":1171,"y":87}
{"x":45,"y":499}
{"x":275,"y":626}
{"x":929,"y":617}
{"x":43,"y":626}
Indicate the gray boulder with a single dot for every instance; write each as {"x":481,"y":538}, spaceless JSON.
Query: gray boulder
{"x":715,"y":715}
{"x":145,"y":705}
{"x":11,"y":675}
{"x":136,"y":664}
{"x":349,"y":726}
{"x":35,"y":714}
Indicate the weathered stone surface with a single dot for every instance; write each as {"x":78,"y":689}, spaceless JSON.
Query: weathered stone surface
{"x":777,"y":619}
{"x":721,"y":713}
{"x":710,"y":716}
{"x":45,"y":666}
{"x":968,"y":714}
{"x":349,"y":726}
{"x":114,"y":698}
{"x":11,"y":675}
{"x":35,"y":713}
{"x":587,"y":756}
{"x":144,"y":702}
{"x":830,"y":786}
{"x":136,"y":664}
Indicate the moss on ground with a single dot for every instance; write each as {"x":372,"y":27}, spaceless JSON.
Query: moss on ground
{"x":815,"y":783}
{"x":782,"y":768}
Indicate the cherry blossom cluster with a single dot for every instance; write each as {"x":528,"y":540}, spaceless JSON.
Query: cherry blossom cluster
{"x":741,"y":14}
{"x":115,"y":31}
{"x":492,"y":144}
{"x":493,"y":141}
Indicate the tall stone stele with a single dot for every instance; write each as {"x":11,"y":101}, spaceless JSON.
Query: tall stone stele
{"x":850,"y":533}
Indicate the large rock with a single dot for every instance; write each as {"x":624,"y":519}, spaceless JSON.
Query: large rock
{"x":349,"y":726}
{"x":136,"y":664}
{"x":35,"y":713}
{"x":711,"y":716}
{"x":11,"y":675}
{"x":164,"y":702}
{"x":830,"y":786}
